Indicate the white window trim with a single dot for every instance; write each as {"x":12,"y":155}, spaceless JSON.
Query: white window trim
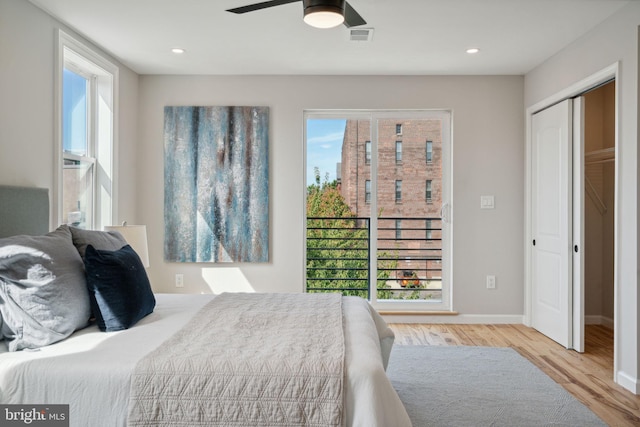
{"x":106,"y":183}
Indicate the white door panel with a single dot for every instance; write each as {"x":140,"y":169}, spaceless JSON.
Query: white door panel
{"x":547,"y":295}
{"x":548,"y":191}
{"x":551,"y":226}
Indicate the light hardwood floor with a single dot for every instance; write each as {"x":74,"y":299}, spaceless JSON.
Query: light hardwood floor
{"x":588,"y":376}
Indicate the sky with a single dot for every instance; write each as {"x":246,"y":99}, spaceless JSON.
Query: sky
{"x":324,"y":147}
{"x":74,"y":113}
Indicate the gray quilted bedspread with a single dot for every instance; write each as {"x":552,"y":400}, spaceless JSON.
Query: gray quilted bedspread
{"x":247,"y":360}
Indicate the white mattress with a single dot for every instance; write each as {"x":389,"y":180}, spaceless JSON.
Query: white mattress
{"x":91,"y":370}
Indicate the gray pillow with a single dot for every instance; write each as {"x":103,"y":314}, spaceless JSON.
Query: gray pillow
{"x":102,"y":240}
{"x":43,"y":291}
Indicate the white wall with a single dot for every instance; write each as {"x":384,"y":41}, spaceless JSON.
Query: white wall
{"x":616,"y":39}
{"x":27,"y":49}
{"x":487,"y":150}
{"x":488,"y":153}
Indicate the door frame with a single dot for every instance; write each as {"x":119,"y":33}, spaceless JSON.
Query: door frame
{"x":576,"y":89}
{"x":578,"y":224}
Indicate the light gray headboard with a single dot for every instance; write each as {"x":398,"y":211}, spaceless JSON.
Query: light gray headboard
{"x":23,"y":210}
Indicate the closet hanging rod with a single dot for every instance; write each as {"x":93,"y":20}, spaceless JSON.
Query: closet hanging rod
{"x":605,"y":154}
{"x":598,"y":162}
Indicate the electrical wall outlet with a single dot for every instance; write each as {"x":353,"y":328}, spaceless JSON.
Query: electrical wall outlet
{"x":491,"y":282}
{"x":487,"y":202}
{"x":179,"y":281}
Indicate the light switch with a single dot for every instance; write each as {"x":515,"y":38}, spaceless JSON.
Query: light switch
{"x":491,"y":282}
{"x":486,"y":202}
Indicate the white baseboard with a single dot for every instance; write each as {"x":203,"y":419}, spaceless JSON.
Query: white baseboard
{"x":480,"y":319}
{"x":460,"y":318}
{"x":628,"y":382}
{"x":599,"y":320}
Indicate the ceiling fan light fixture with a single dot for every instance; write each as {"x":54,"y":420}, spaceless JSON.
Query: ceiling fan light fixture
{"x":323,"y":13}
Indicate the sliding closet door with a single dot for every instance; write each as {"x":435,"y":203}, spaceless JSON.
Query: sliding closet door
{"x":578,"y":224}
{"x":551,"y":222}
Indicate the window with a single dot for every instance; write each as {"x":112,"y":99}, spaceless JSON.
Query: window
{"x":428,"y":192}
{"x":398,"y":151}
{"x":399,"y":129}
{"x":429,"y":151}
{"x":84,"y":184}
{"x":78,"y":167}
{"x":397,"y":250}
{"x":367,"y":191}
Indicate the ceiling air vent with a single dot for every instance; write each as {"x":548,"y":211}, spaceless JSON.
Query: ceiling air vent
{"x":360,"y":34}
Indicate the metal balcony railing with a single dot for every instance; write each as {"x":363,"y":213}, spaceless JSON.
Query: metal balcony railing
{"x":408,"y":257}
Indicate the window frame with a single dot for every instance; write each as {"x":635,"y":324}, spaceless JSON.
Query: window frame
{"x":101,"y":128}
{"x":367,"y":191}
{"x":398,"y":152}
{"x":428,"y":194}
{"x":367,"y":152}
{"x":429,"y":152}
{"x":398,"y":190}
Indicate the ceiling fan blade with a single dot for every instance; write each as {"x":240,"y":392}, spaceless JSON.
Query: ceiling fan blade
{"x":351,"y":17}
{"x":262,"y":5}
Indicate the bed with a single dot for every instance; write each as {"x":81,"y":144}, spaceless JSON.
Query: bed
{"x":204,"y":360}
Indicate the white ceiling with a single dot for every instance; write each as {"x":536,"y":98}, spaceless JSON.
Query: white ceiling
{"x":411,"y":37}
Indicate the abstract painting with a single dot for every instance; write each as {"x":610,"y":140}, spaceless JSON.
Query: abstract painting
{"x":216,"y":180}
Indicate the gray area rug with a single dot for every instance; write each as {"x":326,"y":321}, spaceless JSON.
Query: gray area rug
{"x":480,"y":386}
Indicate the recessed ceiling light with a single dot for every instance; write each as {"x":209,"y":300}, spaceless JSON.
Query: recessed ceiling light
{"x":473,"y":50}
{"x":177,"y":50}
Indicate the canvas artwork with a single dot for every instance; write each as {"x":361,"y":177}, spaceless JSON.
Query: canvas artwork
{"x":216,"y":180}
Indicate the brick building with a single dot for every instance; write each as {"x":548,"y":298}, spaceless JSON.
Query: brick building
{"x":409,"y":193}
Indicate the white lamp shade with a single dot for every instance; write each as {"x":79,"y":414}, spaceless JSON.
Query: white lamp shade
{"x":324,"y":19}
{"x":136,"y":237}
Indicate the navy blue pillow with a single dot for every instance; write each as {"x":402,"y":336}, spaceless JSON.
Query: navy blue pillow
{"x":119,"y":289}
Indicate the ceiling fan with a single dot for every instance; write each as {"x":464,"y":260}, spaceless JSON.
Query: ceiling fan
{"x":317,"y":13}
